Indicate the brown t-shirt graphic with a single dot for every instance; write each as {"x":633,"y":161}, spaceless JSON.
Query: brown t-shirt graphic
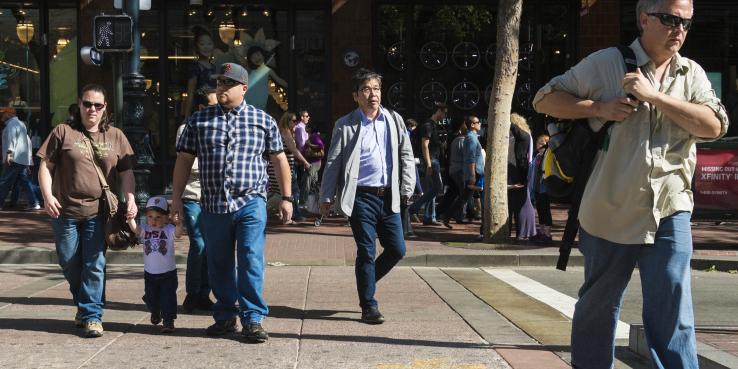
{"x":75,"y":182}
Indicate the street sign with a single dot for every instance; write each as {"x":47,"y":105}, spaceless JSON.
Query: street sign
{"x":113,"y":33}
{"x":142,"y":4}
{"x":91,"y":56}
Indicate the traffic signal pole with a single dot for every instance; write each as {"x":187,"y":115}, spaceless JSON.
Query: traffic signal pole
{"x":134,"y":92}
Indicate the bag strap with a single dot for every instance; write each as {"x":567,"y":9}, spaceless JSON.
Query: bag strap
{"x":631,"y":65}
{"x":629,"y":58}
{"x":100,"y":175}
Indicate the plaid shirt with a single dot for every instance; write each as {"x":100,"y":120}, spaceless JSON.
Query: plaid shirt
{"x":233,"y":149}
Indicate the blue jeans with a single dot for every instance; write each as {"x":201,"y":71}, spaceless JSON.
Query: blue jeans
{"x":161,"y":293}
{"x":196,"y":277}
{"x":667,"y":298}
{"x":433,"y":186}
{"x":81,"y":249}
{"x":372,"y":216}
{"x":17,"y":174}
{"x":243,"y":230}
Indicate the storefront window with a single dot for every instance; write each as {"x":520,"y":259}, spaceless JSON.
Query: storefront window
{"x":201,"y":38}
{"x":311,"y":73}
{"x":447,"y":53}
{"x":62,"y":63}
{"x":20,"y":57}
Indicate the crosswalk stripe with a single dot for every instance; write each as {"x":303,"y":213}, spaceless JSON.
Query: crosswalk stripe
{"x":547,"y":295}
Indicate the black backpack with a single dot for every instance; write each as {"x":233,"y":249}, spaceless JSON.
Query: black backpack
{"x":573,"y":146}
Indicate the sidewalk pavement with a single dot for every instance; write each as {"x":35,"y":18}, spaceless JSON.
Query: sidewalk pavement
{"x":26,"y":237}
{"x":312,"y":324}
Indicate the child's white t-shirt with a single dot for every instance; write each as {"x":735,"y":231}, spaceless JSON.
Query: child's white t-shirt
{"x":158,"y":247}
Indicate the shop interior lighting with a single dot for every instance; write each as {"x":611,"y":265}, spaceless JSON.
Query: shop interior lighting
{"x":244,"y":13}
{"x":25,"y":31}
{"x":227,"y":32}
{"x":266,"y":12}
{"x":61,"y":43}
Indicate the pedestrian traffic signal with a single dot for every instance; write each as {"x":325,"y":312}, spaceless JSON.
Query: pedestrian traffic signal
{"x":113,"y":33}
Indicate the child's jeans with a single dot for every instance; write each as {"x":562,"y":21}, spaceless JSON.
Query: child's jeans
{"x":161,"y":293}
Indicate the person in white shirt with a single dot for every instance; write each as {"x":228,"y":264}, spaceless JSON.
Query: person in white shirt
{"x":160,"y":270}
{"x":16,"y":158}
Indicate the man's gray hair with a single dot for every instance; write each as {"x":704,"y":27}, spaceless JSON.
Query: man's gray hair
{"x":362,"y":75}
{"x":651,"y":6}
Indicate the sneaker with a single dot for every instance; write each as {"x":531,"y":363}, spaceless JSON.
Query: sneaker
{"x":371,"y":315}
{"x":204,"y":303}
{"x":78,"y":319}
{"x":168,"y":326}
{"x":254,"y":332}
{"x":93,"y":329}
{"x":432,"y":223}
{"x":33,"y":207}
{"x":155,"y":317}
{"x":222,"y":327}
{"x":190,"y":303}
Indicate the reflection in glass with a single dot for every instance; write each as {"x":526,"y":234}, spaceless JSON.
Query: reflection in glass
{"x":63,"y":63}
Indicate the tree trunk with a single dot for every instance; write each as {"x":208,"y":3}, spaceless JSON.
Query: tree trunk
{"x":498,"y":122}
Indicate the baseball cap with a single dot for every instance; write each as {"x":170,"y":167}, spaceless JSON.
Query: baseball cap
{"x":157,"y":203}
{"x":232,"y":71}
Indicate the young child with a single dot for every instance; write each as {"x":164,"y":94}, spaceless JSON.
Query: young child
{"x":160,"y":270}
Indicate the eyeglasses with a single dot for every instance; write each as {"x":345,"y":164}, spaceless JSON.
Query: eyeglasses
{"x":366,"y":89}
{"x":672,"y":21}
{"x":89,"y":104}
{"x":226,"y":82}
{"x":475,"y":122}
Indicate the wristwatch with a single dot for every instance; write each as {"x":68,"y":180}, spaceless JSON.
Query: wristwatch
{"x":288,"y":198}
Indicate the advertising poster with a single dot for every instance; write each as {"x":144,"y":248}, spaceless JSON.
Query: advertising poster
{"x":716,"y":179}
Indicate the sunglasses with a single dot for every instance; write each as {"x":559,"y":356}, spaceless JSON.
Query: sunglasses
{"x":226,"y":82}
{"x":90,"y":104}
{"x":672,"y":20}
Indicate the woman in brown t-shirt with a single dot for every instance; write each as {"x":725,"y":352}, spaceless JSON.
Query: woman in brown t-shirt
{"x":72,"y":192}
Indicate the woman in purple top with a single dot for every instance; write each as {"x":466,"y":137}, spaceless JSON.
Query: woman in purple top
{"x":313,"y":151}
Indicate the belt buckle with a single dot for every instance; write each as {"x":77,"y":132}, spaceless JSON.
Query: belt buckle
{"x":380,"y":191}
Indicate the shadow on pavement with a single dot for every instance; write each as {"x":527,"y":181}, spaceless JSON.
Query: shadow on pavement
{"x":42,"y":301}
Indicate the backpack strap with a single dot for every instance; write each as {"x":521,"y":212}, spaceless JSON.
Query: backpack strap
{"x":629,"y":58}
{"x":631,"y":65}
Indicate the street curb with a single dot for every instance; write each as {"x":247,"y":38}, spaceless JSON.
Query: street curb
{"x":36,"y":255}
{"x":709,"y":357}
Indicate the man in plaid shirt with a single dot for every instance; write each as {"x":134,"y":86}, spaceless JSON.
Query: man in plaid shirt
{"x":232,"y":141}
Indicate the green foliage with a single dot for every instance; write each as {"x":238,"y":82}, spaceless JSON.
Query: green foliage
{"x":712,"y":268}
{"x":391,"y":25}
{"x":459,"y":22}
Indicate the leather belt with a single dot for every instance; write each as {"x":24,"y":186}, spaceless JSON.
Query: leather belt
{"x":379,"y":191}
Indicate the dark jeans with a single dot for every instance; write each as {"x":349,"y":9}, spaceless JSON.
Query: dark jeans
{"x":160,"y":293}
{"x":372,"y":218}
{"x":17,"y":174}
{"x":196,"y":278}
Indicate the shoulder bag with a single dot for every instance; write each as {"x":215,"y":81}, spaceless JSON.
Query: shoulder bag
{"x":118,"y":235}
